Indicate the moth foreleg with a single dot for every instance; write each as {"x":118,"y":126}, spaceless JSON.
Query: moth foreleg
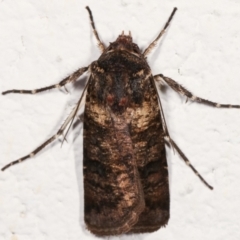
{"x":71,"y":78}
{"x":180,"y":89}
{"x":183,"y":156}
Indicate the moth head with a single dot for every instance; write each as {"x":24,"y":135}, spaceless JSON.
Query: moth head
{"x":124,"y":43}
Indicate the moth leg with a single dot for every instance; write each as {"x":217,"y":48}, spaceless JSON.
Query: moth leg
{"x":67,"y":122}
{"x":38,"y":149}
{"x":71,"y":78}
{"x":180,"y":89}
{"x":169,"y":140}
{"x":100,"y":43}
{"x":153,"y":44}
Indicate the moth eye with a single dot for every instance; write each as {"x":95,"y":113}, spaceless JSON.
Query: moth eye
{"x":135,"y":50}
{"x":110,"y":47}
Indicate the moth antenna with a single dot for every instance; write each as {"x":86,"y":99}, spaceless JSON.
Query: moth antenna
{"x":100,"y":43}
{"x":130,"y":34}
{"x":153,"y":44}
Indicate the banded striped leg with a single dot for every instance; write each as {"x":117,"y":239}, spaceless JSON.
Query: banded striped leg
{"x":183,"y":156}
{"x":171,"y":142}
{"x":67,"y":123}
{"x":180,"y":89}
{"x":153,"y":44}
{"x":100,"y":43}
{"x":72,"y":78}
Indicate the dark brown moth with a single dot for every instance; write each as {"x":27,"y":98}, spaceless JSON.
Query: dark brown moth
{"x":126,"y":187}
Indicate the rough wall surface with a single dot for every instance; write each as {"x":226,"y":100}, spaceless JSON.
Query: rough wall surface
{"x":42,"y":42}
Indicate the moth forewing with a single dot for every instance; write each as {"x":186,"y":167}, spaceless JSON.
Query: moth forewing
{"x":124,"y":156}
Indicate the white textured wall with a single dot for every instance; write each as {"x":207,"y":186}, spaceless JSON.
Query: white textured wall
{"x":41,"y":42}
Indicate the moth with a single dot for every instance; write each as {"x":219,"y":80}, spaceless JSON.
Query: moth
{"x":126,"y":188}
